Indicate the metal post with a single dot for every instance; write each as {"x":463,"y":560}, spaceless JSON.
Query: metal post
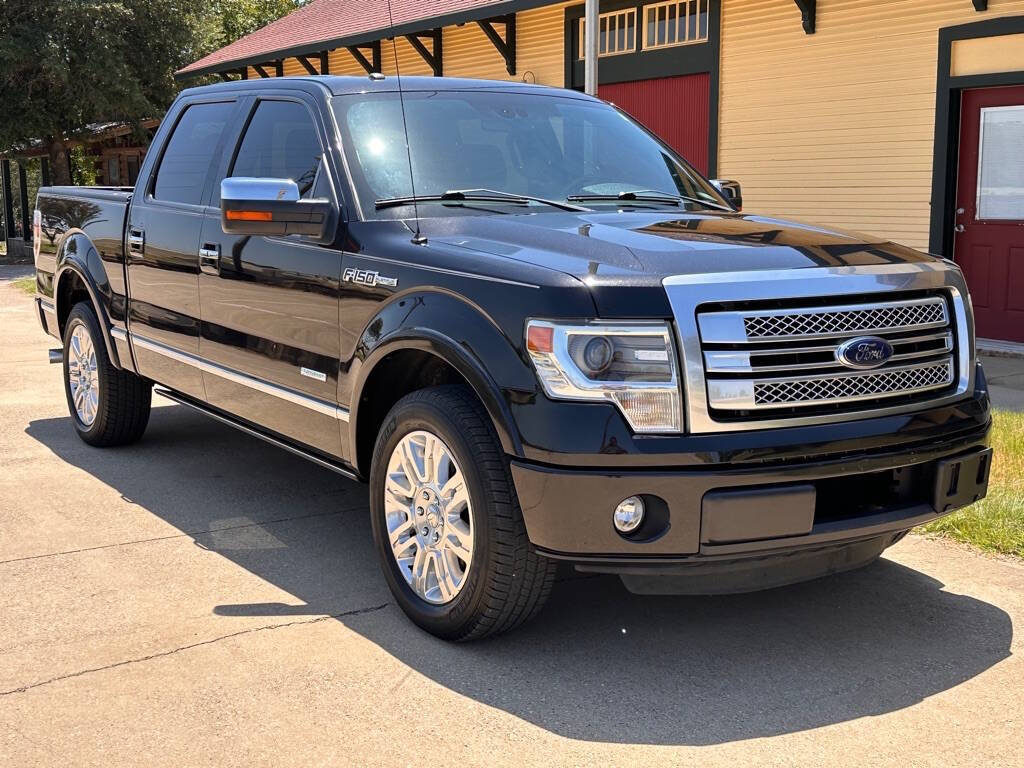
{"x":44,"y":172}
{"x":5,"y":182}
{"x":590,"y":47}
{"x":26,"y":214}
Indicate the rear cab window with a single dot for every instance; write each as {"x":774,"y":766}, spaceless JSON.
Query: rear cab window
{"x":191,"y":149}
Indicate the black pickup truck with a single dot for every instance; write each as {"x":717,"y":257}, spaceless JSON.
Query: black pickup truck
{"x":535,"y":330}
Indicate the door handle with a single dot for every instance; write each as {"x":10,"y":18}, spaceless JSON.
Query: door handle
{"x":136,"y":241}
{"x":209,"y":258}
{"x":958,"y":228}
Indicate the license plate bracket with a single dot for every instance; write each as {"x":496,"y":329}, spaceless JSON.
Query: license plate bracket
{"x":961,"y":480}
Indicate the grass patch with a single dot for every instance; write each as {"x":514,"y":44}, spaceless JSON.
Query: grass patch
{"x":25,"y":284}
{"x":995,"y":523}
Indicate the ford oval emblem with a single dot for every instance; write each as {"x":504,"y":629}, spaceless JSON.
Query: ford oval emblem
{"x":864,"y":352}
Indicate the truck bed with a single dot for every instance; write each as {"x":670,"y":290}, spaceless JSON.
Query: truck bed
{"x":81,"y":219}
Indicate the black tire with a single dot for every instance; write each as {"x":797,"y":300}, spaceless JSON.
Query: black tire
{"x":507,"y":581}
{"x":124,"y":399}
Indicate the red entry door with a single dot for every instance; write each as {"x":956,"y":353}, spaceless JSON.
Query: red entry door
{"x":673,"y":108}
{"x":989,"y":240}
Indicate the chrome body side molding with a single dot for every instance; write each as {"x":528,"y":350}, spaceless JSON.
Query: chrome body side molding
{"x":260,"y":385}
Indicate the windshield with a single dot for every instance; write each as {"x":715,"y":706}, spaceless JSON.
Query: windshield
{"x":535,"y":145}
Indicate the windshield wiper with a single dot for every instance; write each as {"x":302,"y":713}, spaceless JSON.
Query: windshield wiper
{"x":477,"y":195}
{"x":650,"y":196}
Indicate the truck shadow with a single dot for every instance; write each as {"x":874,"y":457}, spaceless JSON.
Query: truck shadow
{"x":599,"y":664}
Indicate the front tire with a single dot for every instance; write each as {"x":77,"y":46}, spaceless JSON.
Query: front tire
{"x":446,"y":520}
{"x":108,"y":406}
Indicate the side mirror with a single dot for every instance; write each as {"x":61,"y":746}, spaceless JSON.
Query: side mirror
{"x":250,"y":206}
{"x":730,"y":191}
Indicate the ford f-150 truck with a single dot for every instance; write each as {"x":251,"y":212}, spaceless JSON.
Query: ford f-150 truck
{"x":535,"y":330}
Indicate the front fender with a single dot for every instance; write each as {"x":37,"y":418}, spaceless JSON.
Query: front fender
{"x":79,"y":258}
{"x":462,"y":335}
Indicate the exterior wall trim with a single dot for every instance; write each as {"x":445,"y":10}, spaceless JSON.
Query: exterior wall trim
{"x":946,"y":147}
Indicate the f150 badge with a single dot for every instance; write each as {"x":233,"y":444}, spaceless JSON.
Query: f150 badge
{"x":368,"y":277}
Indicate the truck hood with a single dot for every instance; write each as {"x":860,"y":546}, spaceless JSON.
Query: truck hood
{"x":615,"y":251}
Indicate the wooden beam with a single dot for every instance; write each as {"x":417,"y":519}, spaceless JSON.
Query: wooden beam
{"x":244,"y":73}
{"x":260,"y":70}
{"x":359,"y":57}
{"x":981,"y":5}
{"x":809,"y":11}
{"x":44,"y":171}
{"x":225,"y":77}
{"x":506,"y":46}
{"x":434,"y":58}
{"x":325,"y":64}
{"x":372,"y":64}
{"x":279,"y":67}
{"x":306,"y":65}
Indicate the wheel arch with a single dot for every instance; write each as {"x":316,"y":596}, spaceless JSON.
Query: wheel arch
{"x":74,"y":281}
{"x":429,"y":347}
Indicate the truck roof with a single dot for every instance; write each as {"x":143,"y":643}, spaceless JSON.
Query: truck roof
{"x":347,"y":84}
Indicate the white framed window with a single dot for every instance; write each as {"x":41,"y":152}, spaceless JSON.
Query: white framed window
{"x":616,"y":33}
{"x":678,"y":22}
{"x":1000,"y":192}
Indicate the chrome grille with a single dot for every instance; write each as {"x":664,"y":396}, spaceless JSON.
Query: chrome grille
{"x":770,"y":359}
{"x":927,"y":313}
{"x":828,"y":389}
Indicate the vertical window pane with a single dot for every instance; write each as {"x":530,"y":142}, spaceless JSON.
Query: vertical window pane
{"x":280,"y":143}
{"x":189,"y":153}
{"x":1001,"y":164}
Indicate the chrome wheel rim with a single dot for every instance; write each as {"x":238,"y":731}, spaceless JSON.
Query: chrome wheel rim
{"x":429,"y":517}
{"x":83,"y":377}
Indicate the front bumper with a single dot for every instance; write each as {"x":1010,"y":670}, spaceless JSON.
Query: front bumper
{"x":727,"y":512}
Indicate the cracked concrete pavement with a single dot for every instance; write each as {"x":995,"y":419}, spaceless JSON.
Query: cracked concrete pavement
{"x":202,"y":598}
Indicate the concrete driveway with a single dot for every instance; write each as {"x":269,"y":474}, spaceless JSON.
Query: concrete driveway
{"x":205,"y":599}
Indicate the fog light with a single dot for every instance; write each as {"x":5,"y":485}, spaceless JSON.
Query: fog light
{"x":629,"y":514}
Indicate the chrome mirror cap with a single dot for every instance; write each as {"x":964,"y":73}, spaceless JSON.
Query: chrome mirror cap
{"x":730,"y":191}
{"x":263,"y":189}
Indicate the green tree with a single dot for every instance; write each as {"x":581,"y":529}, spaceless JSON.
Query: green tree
{"x":65,"y":64}
{"x":224,"y":21}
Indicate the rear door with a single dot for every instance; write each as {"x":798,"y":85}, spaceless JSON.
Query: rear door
{"x":989,"y":240}
{"x":164,"y":225}
{"x":269,"y":304}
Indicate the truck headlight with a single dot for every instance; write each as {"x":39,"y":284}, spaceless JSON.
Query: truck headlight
{"x":630,"y":364}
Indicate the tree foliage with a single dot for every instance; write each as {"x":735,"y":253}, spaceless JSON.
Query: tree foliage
{"x":66,"y":64}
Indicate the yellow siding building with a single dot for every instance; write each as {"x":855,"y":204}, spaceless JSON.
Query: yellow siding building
{"x":868,"y":115}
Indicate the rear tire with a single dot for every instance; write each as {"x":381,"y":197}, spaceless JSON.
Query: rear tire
{"x":108,"y":406}
{"x":499,"y":580}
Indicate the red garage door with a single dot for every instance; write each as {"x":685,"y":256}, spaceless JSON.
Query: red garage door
{"x":675,"y":108}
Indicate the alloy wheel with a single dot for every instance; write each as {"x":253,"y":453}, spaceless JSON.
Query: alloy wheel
{"x":83,"y":376}
{"x":429,"y":517}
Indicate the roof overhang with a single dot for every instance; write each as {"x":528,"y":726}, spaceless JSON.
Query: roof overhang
{"x":477,"y":13}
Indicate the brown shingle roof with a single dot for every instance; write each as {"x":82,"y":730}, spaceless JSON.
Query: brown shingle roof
{"x":329,"y":23}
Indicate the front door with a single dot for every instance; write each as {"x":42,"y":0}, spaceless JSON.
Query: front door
{"x":269,"y":305}
{"x":989,"y":241}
